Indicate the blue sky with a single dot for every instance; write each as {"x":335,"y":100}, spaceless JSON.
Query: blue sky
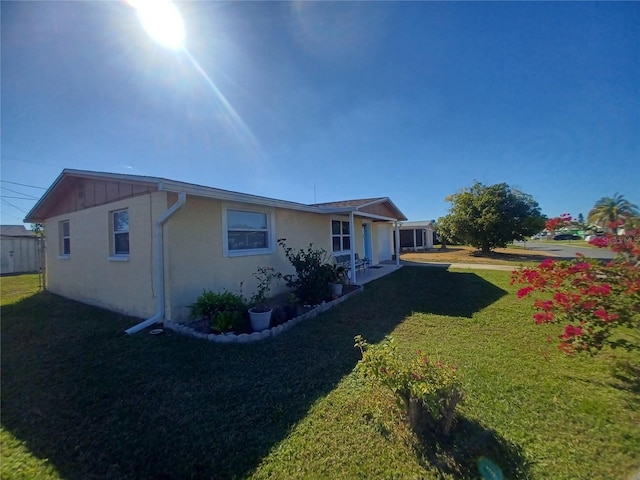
{"x":328,"y":101}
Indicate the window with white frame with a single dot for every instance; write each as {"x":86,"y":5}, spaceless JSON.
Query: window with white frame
{"x":247,"y":232}
{"x":340,"y":239}
{"x":120,"y":228}
{"x":65,"y":238}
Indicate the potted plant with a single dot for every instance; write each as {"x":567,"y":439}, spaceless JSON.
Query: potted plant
{"x":260,"y":312}
{"x":337,"y":276}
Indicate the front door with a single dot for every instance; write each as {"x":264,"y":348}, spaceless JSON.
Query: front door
{"x":366,"y":236}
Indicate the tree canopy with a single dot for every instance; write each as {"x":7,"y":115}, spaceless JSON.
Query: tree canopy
{"x":488,"y":217}
{"x":612,"y":212}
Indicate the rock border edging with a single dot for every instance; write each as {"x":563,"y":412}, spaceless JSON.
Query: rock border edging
{"x":257,"y":336}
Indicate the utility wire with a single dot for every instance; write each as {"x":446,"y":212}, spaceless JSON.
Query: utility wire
{"x":12,"y":205}
{"x":19,"y":193}
{"x":22,"y":184}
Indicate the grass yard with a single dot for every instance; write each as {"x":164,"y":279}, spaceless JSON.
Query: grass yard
{"x":82,"y":401}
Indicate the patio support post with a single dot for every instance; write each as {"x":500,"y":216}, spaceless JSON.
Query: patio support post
{"x":397,"y":232}
{"x":353,"y":247}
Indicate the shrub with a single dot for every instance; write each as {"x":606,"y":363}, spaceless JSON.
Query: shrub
{"x":313,"y":273}
{"x":590,"y":299}
{"x":224,"y":311}
{"x":428,"y":390}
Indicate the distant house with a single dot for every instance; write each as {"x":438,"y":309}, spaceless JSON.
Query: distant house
{"x":19,"y":250}
{"x":415,"y":236}
{"x":148,"y":246}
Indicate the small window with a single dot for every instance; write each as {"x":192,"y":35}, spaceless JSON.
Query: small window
{"x":248,"y":233}
{"x":65,"y":238}
{"x":340,"y":239}
{"x":121,"y":232}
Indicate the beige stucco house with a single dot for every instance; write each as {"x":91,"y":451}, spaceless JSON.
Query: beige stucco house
{"x":148,"y":246}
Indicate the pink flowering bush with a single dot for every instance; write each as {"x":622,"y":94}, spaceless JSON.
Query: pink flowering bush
{"x":592,"y":300}
{"x":428,"y":390}
{"x":557,"y":223}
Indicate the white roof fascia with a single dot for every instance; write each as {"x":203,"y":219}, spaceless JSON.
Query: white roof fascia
{"x":209,"y":192}
{"x":426,"y":223}
{"x":377,"y":217}
{"x":112,"y":176}
{"x":345,"y":210}
{"x":44,"y":195}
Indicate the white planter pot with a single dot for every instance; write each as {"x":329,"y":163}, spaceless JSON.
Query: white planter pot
{"x":260,"y":320}
{"x":336,"y":289}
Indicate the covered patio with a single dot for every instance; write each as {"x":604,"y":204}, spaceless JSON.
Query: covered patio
{"x":377,"y":237}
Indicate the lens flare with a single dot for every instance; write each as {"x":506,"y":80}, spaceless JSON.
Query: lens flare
{"x":162,"y":21}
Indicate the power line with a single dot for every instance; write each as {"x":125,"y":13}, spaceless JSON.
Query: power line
{"x":17,"y":198}
{"x":12,"y":205}
{"x":22,"y":184}
{"x":19,"y":193}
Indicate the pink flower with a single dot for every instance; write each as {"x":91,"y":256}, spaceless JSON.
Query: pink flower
{"x":571,"y":331}
{"x":579,"y":267}
{"x":544,"y":305}
{"x":601,"y":313}
{"x":547,"y":264}
{"x":599,"y":242}
{"x":545,"y":317}
{"x":523,"y":292}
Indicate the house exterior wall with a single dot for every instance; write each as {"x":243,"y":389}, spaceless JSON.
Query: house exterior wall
{"x":88,"y":274}
{"x":383,"y":242}
{"x":19,"y":255}
{"x":195,"y":253}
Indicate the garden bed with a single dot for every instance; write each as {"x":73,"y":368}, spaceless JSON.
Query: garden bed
{"x":201,"y":328}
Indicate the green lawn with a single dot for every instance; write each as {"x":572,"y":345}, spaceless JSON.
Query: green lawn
{"x":80,"y":400}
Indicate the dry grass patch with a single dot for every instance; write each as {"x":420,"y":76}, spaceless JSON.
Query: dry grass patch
{"x":465,"y":254}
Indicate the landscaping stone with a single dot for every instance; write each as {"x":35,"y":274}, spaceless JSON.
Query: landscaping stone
{"x":200,"y":328}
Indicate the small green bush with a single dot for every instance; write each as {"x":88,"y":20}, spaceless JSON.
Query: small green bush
{"x":224,"y":311}
{"x":429,"y":390}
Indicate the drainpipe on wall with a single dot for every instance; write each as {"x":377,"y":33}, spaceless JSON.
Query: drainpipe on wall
{"x":397,"y":232}
{"x":159,"y":261}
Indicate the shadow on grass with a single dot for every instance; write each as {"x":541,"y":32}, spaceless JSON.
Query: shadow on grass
{"x":98,"y":404}
{"x":458,"y":454}
{"x":440,"y":291}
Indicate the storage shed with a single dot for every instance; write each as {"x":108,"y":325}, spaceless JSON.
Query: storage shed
{"x":19,"y":250}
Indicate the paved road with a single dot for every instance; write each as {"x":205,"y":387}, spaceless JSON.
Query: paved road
{"x":466,"y":266}
{"x":559,"y":249}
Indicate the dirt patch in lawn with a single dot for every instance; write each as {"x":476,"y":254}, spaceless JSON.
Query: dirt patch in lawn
{"x":463,"y":254}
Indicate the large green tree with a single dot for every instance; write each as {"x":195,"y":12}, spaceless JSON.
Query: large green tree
{"x":488,"y":217}
{"x":611,"y":212}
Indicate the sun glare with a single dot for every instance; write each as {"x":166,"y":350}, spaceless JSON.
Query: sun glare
{"x":161,"y":19}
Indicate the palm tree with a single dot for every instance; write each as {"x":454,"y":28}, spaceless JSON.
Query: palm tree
{"x":608,"y":212}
